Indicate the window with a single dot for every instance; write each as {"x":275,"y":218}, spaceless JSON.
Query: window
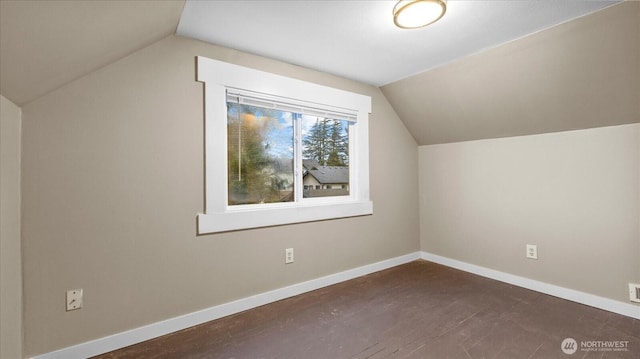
{"x":262,"y":162}
{"x":280,"y":150}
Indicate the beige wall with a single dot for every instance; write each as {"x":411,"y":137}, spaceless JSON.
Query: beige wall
{"x":574,"y":194}
{"x":10,"y":257}
{"x":113,"y":179}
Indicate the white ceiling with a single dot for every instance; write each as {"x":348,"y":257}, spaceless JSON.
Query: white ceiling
{"x":357,"y":39}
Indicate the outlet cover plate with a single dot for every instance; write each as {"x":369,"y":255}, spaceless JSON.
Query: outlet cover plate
{"x":288,"y":255}
{"x":634,"y":292}
{"x":532,"y":251}
{"x":74,"y":299}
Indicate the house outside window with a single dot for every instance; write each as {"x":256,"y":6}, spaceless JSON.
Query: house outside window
{"x":325,"y":181}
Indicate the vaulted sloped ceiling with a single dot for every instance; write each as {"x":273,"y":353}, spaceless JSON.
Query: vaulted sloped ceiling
{"x":45,"y":44}
{"x":580,"y":74}
{"x":565,"y":65}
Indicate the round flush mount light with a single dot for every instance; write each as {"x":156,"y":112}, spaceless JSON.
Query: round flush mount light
{"x":413,"y":14}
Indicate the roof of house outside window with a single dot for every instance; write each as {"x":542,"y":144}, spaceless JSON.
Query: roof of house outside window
{"x":326,"y":174}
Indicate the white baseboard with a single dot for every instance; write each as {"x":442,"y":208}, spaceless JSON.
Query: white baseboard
{"x":138,"y":335}
{"x":607,"y":304}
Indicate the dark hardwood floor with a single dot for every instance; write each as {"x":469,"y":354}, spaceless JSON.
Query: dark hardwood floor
{"x":416,"y":310}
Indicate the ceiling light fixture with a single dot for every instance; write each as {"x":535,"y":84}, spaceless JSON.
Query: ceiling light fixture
{"x":413,"y":14}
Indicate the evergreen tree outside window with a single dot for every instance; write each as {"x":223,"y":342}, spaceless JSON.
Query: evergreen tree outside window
{"x":326,"y":141}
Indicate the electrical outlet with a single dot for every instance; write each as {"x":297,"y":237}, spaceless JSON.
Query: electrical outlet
{"x":532,"y":251}
{"x":74,"y":299}
{"x":288,"y":255}
{"x":634,"y":292}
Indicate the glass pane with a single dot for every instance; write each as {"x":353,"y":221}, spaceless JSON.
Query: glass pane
{"x":325,"y":157}
{"x":260,"y":155}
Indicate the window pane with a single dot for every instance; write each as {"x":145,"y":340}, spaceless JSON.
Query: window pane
{"x":260,"y":155}
{"x":325,"y":156}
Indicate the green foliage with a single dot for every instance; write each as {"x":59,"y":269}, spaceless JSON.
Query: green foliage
{"x":327,"y":143}
{"x":251,"y":170}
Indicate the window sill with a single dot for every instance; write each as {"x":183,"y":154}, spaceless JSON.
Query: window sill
{"x":265,"y":217}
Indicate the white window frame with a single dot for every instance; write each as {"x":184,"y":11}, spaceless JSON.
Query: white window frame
{"x":219,"y":76}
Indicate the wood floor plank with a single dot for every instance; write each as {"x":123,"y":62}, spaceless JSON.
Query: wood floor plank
{"x":417,"y":310}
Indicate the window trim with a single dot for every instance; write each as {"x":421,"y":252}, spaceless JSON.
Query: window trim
{"x":219,"y":76}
